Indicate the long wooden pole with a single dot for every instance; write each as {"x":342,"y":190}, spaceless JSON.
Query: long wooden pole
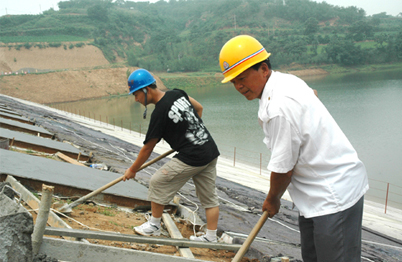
{"x":97,"y":191}
{"x":254,"y":232}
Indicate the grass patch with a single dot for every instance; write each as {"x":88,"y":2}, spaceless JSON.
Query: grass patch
{"x":114,"y":223}
{"x":335,"y":69}
{"x":107,"y":211}
{"x":36,"y":195}
{"x":367,"y":44}
{"x":191,"y":80}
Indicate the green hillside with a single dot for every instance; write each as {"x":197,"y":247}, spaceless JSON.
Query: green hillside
{"x":181,"y":35}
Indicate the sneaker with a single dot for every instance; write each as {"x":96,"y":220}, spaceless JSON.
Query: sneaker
{"x":203,"y":238}
{"x":148,"y":229}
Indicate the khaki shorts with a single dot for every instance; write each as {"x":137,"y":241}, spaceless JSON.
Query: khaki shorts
{"x":172,"y":176}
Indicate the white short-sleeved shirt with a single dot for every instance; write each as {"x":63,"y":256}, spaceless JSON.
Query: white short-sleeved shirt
{"x":328,"y":176}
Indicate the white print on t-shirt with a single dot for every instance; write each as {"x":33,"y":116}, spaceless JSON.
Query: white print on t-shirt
{"x":180,"y":111}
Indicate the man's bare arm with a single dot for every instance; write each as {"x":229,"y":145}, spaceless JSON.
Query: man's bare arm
{"x":197,"y":106}
{"x":278,"y":185}
{"x":143,"y":155}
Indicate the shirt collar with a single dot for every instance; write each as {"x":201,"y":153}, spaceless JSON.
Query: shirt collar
{"x":265,"y":100}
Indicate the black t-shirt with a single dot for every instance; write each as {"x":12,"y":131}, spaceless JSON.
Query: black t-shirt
{"x":175,"y":120}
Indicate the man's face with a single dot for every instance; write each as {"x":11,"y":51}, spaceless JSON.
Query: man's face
{"x":139,"y":96}
{"x":250,"y":83}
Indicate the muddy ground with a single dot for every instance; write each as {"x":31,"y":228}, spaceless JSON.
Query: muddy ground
{"x":279,"y":237}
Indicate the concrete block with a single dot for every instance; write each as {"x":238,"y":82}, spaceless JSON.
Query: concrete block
{"x":4,"y":143}
{"x":6,"y":188}
{"x":16,"y":227}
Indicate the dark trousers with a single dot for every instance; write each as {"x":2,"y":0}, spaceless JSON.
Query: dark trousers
{"x":335,"y":237}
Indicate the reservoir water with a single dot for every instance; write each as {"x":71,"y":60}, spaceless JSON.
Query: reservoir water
{"x":367,"y":107}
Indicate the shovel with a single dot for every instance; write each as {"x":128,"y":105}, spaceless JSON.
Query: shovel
{"x":243,"y":249}
{"x":67,"y":209}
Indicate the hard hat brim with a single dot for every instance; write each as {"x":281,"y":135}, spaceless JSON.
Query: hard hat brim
{"x":240,"y":69}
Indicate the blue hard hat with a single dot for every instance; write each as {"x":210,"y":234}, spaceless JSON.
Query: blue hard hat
{"x":138,"y":79}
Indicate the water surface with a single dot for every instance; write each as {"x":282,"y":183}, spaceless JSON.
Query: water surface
{"x":367,"y":107}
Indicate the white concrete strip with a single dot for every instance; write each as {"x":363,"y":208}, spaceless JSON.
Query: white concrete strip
{"x":81,"y":252}
{"x":113,"y":236}
{"x":389,"y":224}
{"x":175,"y":234}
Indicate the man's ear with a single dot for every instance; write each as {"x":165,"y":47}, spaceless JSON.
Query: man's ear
{"x":265,"y":70}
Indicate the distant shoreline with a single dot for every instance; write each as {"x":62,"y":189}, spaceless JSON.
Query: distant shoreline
{"x":82,"y":84}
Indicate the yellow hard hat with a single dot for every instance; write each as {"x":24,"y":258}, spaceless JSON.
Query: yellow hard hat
{"x":240,"y":53}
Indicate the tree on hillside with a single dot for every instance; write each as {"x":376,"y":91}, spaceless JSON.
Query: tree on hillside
{"x":175,"y":33}
{"x":351,"y":14}
{"x":395,"y":47}
{"x":398,"y":45}
{"x":344,"y":52}
{"x":311,"y":26}
{"x":97,"y":12}
{"x":361,"y":30}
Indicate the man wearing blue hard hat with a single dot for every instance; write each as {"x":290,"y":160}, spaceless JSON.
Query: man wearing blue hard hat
{"x":176,"y":119}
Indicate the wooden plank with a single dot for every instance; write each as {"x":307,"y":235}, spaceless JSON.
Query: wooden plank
{"x":175,"y":233}
{"x":112,"y":236}
{"x":69,"y":159}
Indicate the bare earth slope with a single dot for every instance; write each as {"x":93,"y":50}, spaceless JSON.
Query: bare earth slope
{"x":74,"y":80}
{"x":50,"y":58}
{"x":76,"y":76}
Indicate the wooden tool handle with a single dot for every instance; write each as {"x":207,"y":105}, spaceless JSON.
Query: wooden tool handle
{"x":97,"y":191}
{"x":242,"y":251}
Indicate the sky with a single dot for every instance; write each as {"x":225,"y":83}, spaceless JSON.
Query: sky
{"x":13,"y":7}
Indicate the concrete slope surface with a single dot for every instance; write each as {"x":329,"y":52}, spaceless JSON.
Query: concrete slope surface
{"x":8,"y":124}
{"x":40,"y":141}
{"x":240,"y":204}
{"x":55,"y":172}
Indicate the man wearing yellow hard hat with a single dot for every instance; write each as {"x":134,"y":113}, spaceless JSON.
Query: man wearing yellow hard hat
{"x":310,"y":155}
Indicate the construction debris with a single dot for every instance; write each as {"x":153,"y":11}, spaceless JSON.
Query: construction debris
{"x":16,"y":227}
